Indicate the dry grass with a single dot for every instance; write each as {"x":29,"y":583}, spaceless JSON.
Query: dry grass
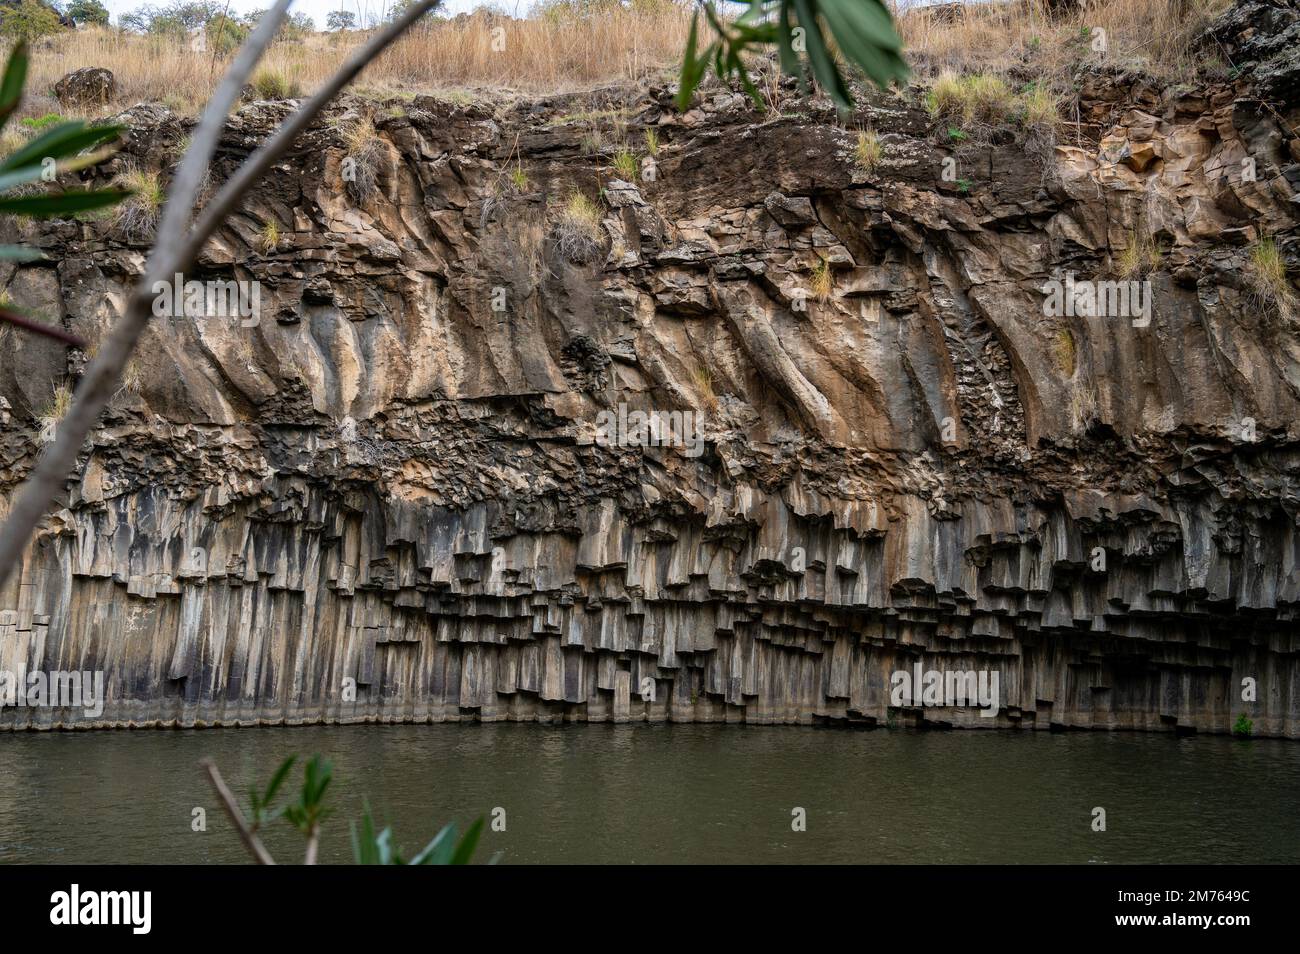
{"x":364,"y":152}
{"x":702,"y":377}
{"x":822,"y":283}
{"x":47,"y":420}
{"x":6,"y":329}
{"x":268,"y":239}
{"x":1140,"y":257}
{"x":992,"y":38}
{"x":977,"y":98}
{"x":1066,"y":353}
{"x":11,"y":140}
{"x":1041,"y":107}
{"x":561,"y":51}
{"x":592,"y":142}
{"x":578,"y":229}
{"x":547,"y":53}
{"x":137,"y":216}
{"x":132,"y":378}
{"x":1270,"y":286}
{"x":867,"y":152}
{"x":983,"y":99}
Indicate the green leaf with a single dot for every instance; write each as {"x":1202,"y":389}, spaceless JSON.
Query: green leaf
{"x":870,"y":20}
{"x":465,"y":850}
{"x":785,"y":45}
{"x":862,"y":30}
{"x":384,"y":854}
{"x":866,"y":37}
{"x":61,"y":204}
{"x":316,"y":779}
{"x":440,"y":850}
{"x":712,"y":15}
{"x":19,"y":253}
{"x":823,"y":65}
{"x":25,"y":174}
{"x":364,"y":851}
{"x":11,"y":86}
{"x":688,"y":80}
{"x":10,"y":180}
{"x":65,"y":139}
{"x":736,"y":68}
{"x":278,"y":779}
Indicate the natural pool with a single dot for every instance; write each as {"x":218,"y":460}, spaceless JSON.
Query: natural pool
{"x":672,"y":793}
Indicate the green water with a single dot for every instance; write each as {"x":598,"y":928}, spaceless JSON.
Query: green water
{"x":642,"y":794}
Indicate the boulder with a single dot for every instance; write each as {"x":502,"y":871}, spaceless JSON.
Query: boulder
{"x":86,"y":86}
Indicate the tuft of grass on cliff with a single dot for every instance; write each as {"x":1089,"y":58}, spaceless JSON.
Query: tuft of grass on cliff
{"x":577,"y":229}
{"x":136,"y":217}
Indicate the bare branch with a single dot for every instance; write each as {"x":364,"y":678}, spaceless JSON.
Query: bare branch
{"x":172,"y":255}
{"x":246,"y":833}
{"x":35,"y":326}
{"x":313,"y":841}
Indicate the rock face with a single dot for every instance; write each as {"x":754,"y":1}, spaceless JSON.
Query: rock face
{"x":88,"y":86}
{"x":411,"y":486}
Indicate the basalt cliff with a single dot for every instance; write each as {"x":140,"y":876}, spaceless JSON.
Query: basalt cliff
{"x":395,"y":493}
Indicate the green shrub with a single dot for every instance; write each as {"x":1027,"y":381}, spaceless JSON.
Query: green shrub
{"x":37,"y":124}
{"x":271,"y":83}
{"x":625,"y":165}
{"x":28,"y":19}
{"x":983,"y":98}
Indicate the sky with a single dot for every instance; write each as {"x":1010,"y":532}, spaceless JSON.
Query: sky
{"x":316,"y":9}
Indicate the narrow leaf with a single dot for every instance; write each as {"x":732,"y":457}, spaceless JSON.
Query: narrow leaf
{"x":785,"y":44}
{"x":62,"y":204}
{"x":828,"y":76}
{"x":19,"y":253}
{"x":278,"y":779}
{"x":686,"y":83}
{"x":465,"y":850}
{"x":11,"y":86}
{"x":440,"y":850}
{"x":65,"y":139}
{"x":862,"y":42}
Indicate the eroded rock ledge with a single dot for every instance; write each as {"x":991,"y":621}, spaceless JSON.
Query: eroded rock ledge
{"x":390,"y":483}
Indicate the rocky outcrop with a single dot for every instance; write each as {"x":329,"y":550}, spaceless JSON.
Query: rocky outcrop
{"x":392,"y":496}
{"x":88,"y":86}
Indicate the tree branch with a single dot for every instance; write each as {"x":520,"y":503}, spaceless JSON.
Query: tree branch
{"x":57,"y":334}
{"x":246,"y":833}
{"x":173,"y":252}
{"x":313,"y":840}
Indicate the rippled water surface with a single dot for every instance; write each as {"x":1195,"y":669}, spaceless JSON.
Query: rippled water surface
{"x":637,"y":794}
